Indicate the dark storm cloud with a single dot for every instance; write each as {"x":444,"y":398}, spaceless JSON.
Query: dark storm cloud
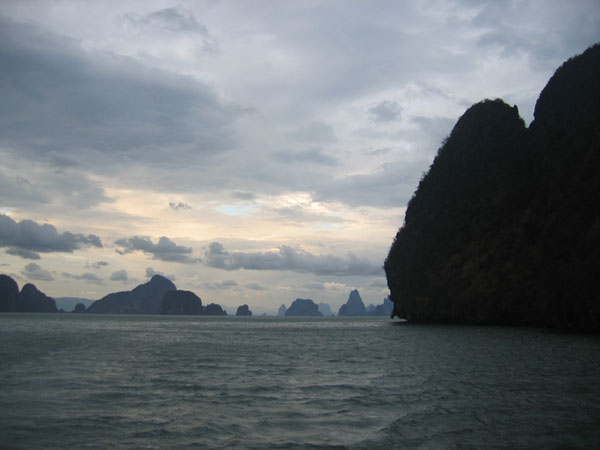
{"x":386,"y":111}
{"x":179,"y":205}
{"x":28,"y":236}
{"x":288,"y":258}
{"x":165,"y":249}
{"x":119,"y":275}
{"x":88,"y":277}
{"x":34,"y":271}
{"x":58,"y":99}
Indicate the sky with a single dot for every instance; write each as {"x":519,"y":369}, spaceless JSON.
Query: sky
{"x":252,"y":152}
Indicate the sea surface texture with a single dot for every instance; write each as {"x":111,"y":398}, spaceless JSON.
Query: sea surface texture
{"x":145,"y":382}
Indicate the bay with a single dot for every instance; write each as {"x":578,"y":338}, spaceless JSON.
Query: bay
{"x":101,"y":381}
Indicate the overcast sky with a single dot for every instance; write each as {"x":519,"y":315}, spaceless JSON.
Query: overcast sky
{"x":252,"y":151}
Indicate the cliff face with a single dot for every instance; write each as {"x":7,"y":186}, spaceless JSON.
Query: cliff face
{"x":181,"y":303}
{"x":243,"y":310}
{"x":354,"y":306}
{"x":9,"y":294}
{"x":505,"y":226}
{"x":33,"y":300}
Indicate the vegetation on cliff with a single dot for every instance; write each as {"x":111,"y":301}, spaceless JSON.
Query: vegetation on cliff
{"x":505,"y":226}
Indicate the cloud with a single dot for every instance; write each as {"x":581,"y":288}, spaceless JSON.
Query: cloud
{"x":164,"y":250}
{"x":150,"y":272}
{"x":385,"y":111}
{"x":219,"y":285}
{"x":33,"y":271}
{"x":311,"y":156}
{"x":179,"y":205}
{"x":110,"y":103}
{"x":119,"y":275}
{"x":247,"y":196}
{"x":27,"y":237}
{"x":288,"y":258}
{"x":97,"y":265}
{"x":88,"y":277}
{"x":174,"y":23}
{"x":25,"y":254}
{"x":256,"y":287}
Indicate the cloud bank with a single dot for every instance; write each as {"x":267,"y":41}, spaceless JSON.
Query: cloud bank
{"x":165,"y":249}
{"x":26,"y":238}
{"x":288,"y":258}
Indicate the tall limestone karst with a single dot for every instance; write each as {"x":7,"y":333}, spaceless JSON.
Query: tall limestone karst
{"x":354,"y":306}
{"x":9,"y":294}
{"x":30,"y":299}
{"x":505,"y":226}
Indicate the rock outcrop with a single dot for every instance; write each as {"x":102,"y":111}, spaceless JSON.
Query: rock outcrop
{"x":354,"y":306}
{"x":181,"y":303}
{"x":79,"y":308}
{"x":214,"y":310}
{"x":505,"y":226}
{"x":243,"y":310}
{"x":31,"y":299}
{"x":9,"y":294}
{"x":303,"y":307}
{"x":144,"y":299}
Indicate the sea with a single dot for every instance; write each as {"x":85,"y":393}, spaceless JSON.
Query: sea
{"x":82,"y":381}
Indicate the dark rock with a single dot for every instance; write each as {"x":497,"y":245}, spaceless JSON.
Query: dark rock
{"x":79,"y":308}
{"x":354,"y":306}
{"x":505,"y":226}
{"x":9,"y":294}
{"x":243,"y":310}
{"x":214,"y":310}
{"x":181,"y":303}
{"x":144,"y":299}
{"x":33,"y":300}
{"x":303,"y":307}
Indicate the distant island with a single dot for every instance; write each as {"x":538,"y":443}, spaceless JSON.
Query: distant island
{"x":243,"y":310}
{"x":30,"y":299}
{"x":303,"y":307}
{"x":354,"y":306}
{"x":157,"y":296}
{"x":505,"y":226}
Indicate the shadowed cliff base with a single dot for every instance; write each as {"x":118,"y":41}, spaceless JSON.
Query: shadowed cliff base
{"x":505,"y":226}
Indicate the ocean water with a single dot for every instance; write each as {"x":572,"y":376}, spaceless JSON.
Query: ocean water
{"x":145,"y":382}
